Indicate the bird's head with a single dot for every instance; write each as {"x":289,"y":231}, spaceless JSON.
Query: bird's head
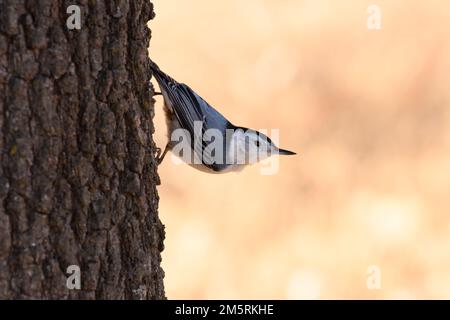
{"x":254,"y":146}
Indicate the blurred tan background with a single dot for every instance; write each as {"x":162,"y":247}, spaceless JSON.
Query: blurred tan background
{"x":367,"y":111}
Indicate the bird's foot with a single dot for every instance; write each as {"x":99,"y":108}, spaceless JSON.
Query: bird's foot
{"x":160,"y":157}
{"x":158,"y":154}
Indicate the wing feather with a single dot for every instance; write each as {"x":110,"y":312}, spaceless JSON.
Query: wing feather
{"x":188,"y":108}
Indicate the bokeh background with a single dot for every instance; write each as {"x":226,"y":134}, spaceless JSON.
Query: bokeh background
{"x":368,"y":112}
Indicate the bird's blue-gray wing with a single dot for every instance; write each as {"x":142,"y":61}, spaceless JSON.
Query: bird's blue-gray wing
{"x":189,"y":108}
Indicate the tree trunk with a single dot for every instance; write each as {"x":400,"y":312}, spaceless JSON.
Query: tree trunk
{"x":78,"y":172}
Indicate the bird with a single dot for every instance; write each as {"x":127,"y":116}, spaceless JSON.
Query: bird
{"x":190,"y":118}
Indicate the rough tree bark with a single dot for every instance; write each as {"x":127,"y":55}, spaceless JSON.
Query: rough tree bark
{"x":77,"y":168}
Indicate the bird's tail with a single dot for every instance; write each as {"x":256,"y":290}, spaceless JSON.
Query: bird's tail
{"x":166,"y":83}
{"x":154,"y":66}
{"x":159,"y":75}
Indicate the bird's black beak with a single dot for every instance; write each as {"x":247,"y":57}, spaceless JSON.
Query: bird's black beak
{"x":286,"y":152}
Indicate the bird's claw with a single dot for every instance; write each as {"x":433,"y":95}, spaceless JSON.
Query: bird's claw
{"x":158,"y":154}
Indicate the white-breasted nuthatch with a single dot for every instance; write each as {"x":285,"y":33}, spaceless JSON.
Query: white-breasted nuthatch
{"x":186,"y":110}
